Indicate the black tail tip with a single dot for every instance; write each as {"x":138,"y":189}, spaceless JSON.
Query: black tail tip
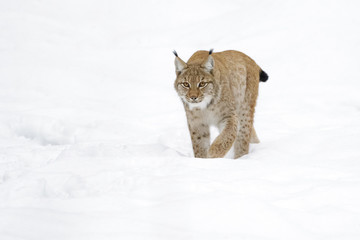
{"x":211,"y":51}
{"x":175,"y":53}
{"x":263,"y":76}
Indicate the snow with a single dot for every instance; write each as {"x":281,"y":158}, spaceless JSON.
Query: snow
{"x":94,"y":141}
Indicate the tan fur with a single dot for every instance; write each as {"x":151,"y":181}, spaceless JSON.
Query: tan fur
{"x":232,"y":88}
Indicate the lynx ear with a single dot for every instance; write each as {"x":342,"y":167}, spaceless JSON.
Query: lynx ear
{"x":209,"y":64}
{"x":180,"y":65}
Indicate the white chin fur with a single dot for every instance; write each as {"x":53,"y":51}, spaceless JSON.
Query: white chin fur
{"x":202,"y":105}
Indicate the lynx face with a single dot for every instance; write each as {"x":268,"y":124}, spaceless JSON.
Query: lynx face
{"x":195,"y":84}
{"x":195,"y":87}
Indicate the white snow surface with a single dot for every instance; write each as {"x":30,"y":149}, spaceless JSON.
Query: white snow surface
{"x":94,"y":141}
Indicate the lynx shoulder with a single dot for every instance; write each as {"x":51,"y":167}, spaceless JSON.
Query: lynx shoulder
{"x":219,"y":89}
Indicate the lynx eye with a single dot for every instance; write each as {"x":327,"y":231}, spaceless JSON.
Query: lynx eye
{"x":185,"y":85}
{"x":202,"y":84}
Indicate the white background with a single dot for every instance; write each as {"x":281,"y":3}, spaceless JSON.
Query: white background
{"x":94,"y":141}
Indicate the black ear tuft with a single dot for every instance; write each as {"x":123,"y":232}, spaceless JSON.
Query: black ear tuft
{"x":211,"y":50}
{"x":175,"y":53}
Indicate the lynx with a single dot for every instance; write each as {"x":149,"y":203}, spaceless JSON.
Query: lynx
{"x":219,"y":89}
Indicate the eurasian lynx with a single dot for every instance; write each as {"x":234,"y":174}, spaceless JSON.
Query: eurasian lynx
{"x":219,"y":89}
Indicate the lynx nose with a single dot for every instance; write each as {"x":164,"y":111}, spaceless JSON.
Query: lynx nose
{"x":193,"y":98}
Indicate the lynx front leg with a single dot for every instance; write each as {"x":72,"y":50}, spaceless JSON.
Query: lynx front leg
{"x":225,"y":140}
{"x":244,"y":135}
{"x":200,"y":138}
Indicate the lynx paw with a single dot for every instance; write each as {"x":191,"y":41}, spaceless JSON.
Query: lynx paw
{"x":216,"y":152}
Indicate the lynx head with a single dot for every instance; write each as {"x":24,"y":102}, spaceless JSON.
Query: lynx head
{"x":195,"y":83}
